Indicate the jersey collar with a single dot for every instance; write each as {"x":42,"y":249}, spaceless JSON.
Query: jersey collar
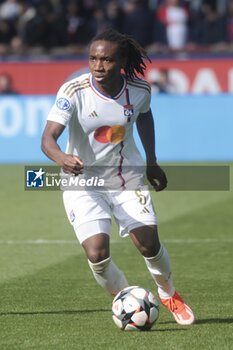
{"x":103,"y":96}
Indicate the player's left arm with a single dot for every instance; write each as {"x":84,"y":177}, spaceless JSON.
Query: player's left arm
{"x":146,"y":131}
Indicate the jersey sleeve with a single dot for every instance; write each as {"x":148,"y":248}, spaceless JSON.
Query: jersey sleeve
{"x":146,"y":102}
{"x":63,"y":108}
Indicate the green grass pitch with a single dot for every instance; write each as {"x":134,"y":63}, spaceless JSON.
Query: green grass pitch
{"x":49,"y":299}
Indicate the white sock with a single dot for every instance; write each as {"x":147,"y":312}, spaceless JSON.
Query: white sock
{"x":160,"y":269}
{"x":109,"y":276}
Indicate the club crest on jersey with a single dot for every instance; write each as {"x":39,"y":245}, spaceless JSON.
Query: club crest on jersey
{"x":63,"y":103}
{"x":72,"y":216}
{"x":128,"y":110}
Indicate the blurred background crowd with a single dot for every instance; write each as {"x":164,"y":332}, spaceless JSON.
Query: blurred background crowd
{"x":64,"y":27}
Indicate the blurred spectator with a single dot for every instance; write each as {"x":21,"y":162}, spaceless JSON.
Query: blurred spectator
{"x":7,"y":33}
{"x":194,"y":5}
{"x":222,"y":6}
{"x":89,"y":6}
{"x":26,"y":14}
{"x":98,"y":23}
{"x":57,"y":25}
{"x":138,"y":21}
{"x":38,"y":29}
{"x":77,"y":26}
{"x":6,"y":85}
{"x":196,"y":17}
{"x":9,"y":10}
{"x":230,"y":22}
{"x":212,"y":28}
{"x":175,"y":17}
{"x":66,"y":26}
{"x":114,"y":15}
{"x":102,"y":19}
{"x":154,"y":4}
{"x":163,"y":84}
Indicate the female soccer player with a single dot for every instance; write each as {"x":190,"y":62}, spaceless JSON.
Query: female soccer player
{"x":100,"y":109}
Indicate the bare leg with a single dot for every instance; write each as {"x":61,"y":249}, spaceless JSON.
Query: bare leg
{"x":103,"y":268}
{"x":146,"y":240}
{"x":156,"y":257}
{"x":97,"y":247}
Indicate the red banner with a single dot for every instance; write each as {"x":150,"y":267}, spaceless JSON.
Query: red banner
{"x":187,"y":76}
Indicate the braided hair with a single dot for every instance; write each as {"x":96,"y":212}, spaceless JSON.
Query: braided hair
{"x":129,"y":49}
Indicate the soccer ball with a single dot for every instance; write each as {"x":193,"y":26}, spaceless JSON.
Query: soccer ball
{"x":135,"y":308}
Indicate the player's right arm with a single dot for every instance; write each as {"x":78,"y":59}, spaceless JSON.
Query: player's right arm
{"x":69,"y":163}
{"x":59,"y":117}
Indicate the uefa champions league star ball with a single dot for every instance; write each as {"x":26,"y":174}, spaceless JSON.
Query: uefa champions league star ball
{"x":135,"y":308}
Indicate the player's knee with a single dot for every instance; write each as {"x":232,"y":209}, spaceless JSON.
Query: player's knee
{"x":146,"y":240}
{"x":96,"y":256}
{"x":100,"y":266}
{"x":148,"y":249}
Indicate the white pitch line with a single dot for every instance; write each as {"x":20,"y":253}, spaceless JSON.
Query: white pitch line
{"x":38,"y":241}
{"x":205,"y":240}
{"x":175,"y":241}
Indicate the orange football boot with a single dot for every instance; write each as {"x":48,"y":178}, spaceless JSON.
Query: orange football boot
{"x":181,"y":311}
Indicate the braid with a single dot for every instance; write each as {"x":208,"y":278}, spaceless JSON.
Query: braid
{"x":129,"y":49}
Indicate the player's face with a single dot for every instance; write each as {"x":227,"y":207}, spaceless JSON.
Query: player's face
{"x":105,"y":63}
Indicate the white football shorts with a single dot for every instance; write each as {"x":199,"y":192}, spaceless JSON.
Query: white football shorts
{"x":90,"y":212}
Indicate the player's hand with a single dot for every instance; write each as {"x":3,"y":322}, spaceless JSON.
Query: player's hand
{"x":156,"y":177}
{"x":72,"y":164}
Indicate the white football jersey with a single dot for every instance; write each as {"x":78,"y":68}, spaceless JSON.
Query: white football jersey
{"x":100,"y":127}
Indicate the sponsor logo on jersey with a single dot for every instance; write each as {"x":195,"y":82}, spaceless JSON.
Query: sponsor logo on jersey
{"x":113,"y":134}
{"x":63,"y":104}
{"x":35,"y":178}
{"x":128,"y":110}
